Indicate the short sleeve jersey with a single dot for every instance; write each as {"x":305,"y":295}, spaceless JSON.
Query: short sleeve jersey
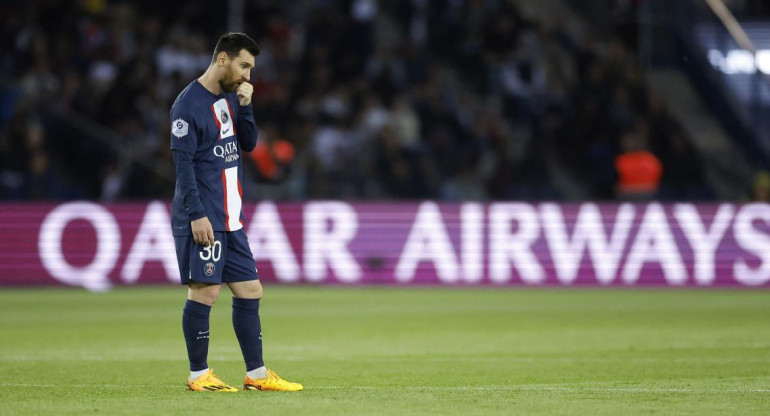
{"x":204,"y":125}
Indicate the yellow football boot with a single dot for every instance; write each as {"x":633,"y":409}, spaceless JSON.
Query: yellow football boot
{"x":209,"y":382}
{"x":270,"y":383}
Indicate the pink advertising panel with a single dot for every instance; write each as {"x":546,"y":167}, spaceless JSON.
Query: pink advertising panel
{"x":334,"y":242}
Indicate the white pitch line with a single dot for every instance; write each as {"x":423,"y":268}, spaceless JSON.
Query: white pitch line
{"x":566,"y":360}
{"x":110,"y":386}
{"x":430,"y":388}
{"x":541,"y":388}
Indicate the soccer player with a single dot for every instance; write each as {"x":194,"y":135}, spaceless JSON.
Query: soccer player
{"x":212,"y":121}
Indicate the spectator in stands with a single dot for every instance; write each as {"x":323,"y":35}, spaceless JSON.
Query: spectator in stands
{"x":639,"y":170}
{"x":760,"y":188}
{"x":272,"y":156}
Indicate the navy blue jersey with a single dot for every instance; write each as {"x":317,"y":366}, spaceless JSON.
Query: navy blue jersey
{"x":208,"y":133}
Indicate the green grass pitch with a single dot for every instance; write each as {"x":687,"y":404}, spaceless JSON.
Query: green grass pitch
{"x":388,"y":351}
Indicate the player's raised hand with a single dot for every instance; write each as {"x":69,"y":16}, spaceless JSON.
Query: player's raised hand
{"x":244,"y":92}
{"x":202,"y":231}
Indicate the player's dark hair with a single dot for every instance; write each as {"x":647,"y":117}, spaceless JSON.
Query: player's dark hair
{"x":231,"y":43}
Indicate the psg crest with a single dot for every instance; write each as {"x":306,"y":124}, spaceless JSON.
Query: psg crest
{"x":224,"y":117}
{"x":208,"y":269}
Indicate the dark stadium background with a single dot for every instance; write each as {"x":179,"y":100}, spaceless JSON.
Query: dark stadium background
{"x":398,"y":100}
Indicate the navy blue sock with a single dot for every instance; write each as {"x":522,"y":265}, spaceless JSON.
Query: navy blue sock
{"x":248,"y":329}
{"x":195,"y":324}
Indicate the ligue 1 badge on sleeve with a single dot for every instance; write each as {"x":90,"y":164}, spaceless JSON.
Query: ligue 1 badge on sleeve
{"x":208,"y":269}
{"x":179,"y":128}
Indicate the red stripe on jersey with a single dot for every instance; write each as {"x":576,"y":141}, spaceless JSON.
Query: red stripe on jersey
{"x":231,"y":116}
{"x":240,"y":191}
{"x":224,"y":194}
{"x":219,"y":126}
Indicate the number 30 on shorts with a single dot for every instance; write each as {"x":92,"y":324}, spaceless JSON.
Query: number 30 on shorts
{"x":212,"y":252}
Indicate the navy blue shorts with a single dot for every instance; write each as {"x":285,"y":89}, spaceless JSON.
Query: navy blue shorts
{"x":228,"y":260}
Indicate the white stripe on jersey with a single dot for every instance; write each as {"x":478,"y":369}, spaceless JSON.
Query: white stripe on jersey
{"x":232,"y":199}
{"x":224,"y":118}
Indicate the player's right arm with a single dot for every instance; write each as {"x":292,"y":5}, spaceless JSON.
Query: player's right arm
{"x":200,"y":226}
{"x":184,"y":144}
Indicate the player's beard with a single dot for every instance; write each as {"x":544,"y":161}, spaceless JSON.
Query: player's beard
{"x":228,"y":84}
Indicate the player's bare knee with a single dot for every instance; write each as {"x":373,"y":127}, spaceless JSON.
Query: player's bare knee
{"x":205,"y":294}
{"x":210,"y":299}
{"x":251,"y":292}
{"x":247,"y":290}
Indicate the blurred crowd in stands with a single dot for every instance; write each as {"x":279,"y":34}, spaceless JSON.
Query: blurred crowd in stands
{"x":356,"y":99}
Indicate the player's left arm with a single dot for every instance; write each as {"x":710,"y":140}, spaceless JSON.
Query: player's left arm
{"x":246,"y":126}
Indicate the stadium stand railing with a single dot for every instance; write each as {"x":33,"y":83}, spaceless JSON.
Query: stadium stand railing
{"x":729,"y":77}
